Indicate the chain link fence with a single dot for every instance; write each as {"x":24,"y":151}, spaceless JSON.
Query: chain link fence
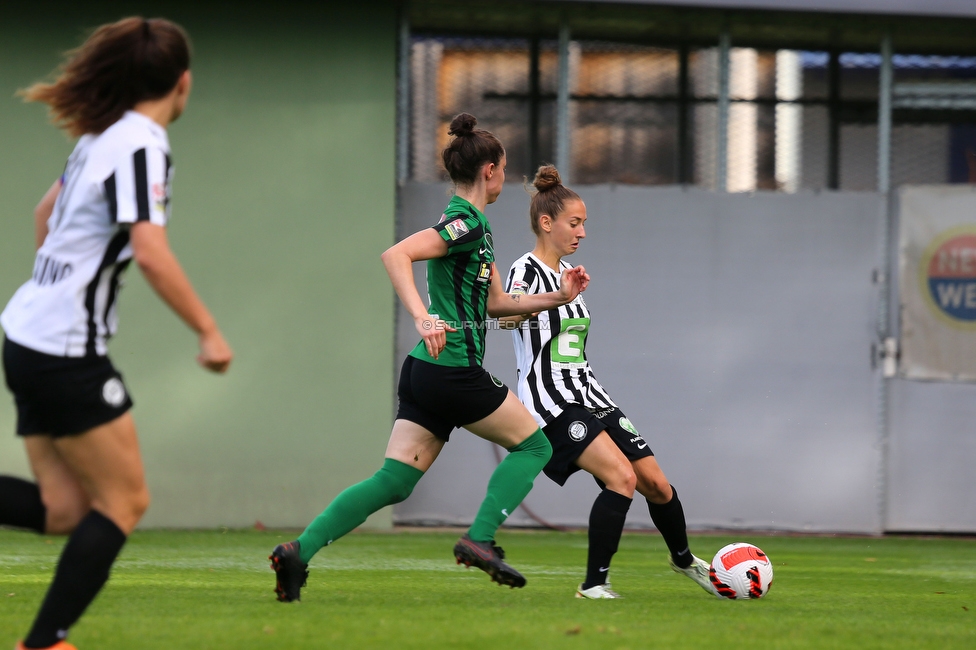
{"x":797,"y":120}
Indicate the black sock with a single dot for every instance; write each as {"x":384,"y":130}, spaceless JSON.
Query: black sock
{"x":21,"y":505}
{"x":606,"y":524}
{"x":82,"y":570}
{"x":669,"y":519}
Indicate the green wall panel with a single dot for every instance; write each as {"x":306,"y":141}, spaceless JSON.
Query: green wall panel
{"x":283,"y":202}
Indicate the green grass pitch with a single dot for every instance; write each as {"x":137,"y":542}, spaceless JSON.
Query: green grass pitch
{"x":213,"y":589}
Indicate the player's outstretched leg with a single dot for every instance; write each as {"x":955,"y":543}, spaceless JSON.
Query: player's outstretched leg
{"x":391,"y":484}
{"x":669,"y":519}
{"x":509,"y":484}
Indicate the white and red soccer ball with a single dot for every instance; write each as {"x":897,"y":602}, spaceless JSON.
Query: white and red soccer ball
{"x":741,"y":571}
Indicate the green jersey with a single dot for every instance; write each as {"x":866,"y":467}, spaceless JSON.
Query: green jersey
{"x":457,"y":284}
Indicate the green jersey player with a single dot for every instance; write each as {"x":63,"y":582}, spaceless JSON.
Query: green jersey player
{"x":442,"y":384}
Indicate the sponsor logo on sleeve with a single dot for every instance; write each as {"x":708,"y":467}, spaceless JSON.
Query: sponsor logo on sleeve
{"x":520,"y":287}
{"x":456,"y":229}
{"x":484,"y":273}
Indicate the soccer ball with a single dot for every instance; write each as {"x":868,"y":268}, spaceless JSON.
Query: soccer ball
{"x":741,"y":571}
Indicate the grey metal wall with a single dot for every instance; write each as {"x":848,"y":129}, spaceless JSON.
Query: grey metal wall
{"x":932,"y":453}
{"x":734,"y":331}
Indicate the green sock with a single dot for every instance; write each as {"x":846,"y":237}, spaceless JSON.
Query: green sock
{"x":509,"y":484}
{"x":391,"y":484}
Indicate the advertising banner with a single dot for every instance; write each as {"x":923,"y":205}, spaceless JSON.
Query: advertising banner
{"x":937,"y":264}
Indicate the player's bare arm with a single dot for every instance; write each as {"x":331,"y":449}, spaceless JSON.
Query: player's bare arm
{"x":398,"y":260}
{"x":150,"y":247}
{"x":501,"y":304}
{"x":43,"y":212}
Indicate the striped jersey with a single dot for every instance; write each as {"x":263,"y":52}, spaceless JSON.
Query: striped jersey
{"x":112,"y":180}
{"x":550,"y":348}
{"x":457,"y":285}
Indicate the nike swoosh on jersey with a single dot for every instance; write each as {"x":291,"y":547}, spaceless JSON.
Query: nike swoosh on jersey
{"x":505,"y":512}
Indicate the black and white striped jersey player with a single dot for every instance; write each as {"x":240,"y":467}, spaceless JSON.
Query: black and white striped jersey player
{"x":585,"y":427}
{"x":550,"y":348}
{"x":68,"y":306}
{"x":110,"y":206}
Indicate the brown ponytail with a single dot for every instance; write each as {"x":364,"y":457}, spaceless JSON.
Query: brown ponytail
{"x":470,"y":149}
{"x":550,"y":197}
{"x":118,"y":66}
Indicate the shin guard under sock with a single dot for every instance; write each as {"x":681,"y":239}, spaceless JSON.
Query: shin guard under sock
{"x":21,"y":505}
{"x":82,"y":571}
{"x":391,"y":484}
{"x":509,"y":484}
{"x":606,"y":525}
{"x":669,"y":519}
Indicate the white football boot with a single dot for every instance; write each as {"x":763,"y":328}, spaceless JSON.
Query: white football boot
{"x":597,"y":592}
{"x":697,"y":571}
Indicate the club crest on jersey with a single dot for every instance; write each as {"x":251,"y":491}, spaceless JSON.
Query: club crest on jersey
{"x":577,"y":430}
{"x":456,"y":229}
{"x":495,"y":380}
{"x":484,"y":273}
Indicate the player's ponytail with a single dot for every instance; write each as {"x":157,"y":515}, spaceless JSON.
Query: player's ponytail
{"x":550,"y":196}
{"x":118,"y":66}
{"x":470,"y":149}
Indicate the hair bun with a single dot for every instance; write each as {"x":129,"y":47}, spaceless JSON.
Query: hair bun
{"x":547,"y":178}
{"x":462,"y":125}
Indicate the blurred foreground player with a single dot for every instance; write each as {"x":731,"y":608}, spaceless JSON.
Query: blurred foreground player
{"x":118,"y":92}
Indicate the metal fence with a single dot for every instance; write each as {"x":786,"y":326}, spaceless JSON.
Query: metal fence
{"x":738,"y":119}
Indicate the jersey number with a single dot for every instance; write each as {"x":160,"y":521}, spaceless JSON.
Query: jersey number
{"x":567,"y":346}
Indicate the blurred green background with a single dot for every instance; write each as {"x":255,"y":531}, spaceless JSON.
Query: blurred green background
{"x":283,"y":201}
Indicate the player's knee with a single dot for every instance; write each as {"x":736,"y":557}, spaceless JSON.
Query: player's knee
{"x":62,"y":519}
{"x":658,"y":490}
{"x":536,"y":445}
{"x":398,"y":485}
{"x":622,"y":481}
{"x":63,"y":512}
{"x":137,"y":504}
{"x":400,"y":491}
{"x":547,"y":453}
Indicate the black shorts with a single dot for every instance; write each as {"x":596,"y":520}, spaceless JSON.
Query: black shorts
{"x":62,"y":396}
{"x":440,"y":398}
{"x":576,"y":427}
